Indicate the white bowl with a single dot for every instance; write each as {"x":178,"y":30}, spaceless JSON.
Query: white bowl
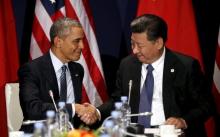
{"x":16,"y":134}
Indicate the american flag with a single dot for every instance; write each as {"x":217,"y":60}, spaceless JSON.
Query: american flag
{"x":216,"y":76}
{"x":46,"y":12}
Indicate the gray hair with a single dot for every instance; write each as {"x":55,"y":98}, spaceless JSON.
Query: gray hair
{"x":61,"y":27}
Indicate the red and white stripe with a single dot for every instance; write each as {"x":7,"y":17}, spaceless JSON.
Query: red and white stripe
{"x":94,"y":89}
{"x":216,"y":76}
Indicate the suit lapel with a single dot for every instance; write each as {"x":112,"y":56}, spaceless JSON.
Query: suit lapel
{"x":76,"y":79}
{"x":168,"y":81}
{"x":135,"y":92}
{"x":50,"y":75}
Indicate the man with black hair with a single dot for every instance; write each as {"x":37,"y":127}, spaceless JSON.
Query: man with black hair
{"x":168,"y":84}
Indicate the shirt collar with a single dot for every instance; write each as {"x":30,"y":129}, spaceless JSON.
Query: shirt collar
{"x":157,"y":62}
{"x":57,"y":64}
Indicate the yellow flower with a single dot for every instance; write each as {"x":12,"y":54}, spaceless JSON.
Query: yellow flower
{"x":80,"y":133}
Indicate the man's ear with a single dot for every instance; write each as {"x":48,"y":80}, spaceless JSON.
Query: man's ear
{"x":58,"y":42}
{"x":160,"y":43}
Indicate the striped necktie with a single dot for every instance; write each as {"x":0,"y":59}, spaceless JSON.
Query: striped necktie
{"x":63,"y":84}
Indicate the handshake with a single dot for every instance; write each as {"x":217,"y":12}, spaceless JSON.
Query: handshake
{"x":87,"y":113}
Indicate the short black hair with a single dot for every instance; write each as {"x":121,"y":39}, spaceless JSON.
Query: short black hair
{"x":153,"y":25}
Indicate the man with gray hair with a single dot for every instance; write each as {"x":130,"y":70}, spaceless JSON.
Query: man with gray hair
{"x":56,"y":71}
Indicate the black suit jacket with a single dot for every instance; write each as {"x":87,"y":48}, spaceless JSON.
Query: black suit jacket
{"x":184,"y":92}
{"x":36,"y":78}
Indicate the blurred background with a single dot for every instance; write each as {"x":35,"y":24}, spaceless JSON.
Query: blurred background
{"x":111,"y":22}
{"x":112,"y":19}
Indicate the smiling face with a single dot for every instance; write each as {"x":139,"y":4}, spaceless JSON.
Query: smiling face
{"x":146,"y":51}
{"x":69,"y":47}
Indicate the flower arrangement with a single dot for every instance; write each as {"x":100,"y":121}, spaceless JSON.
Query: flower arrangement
{"x":81,"y":133}
{"x":84,"y":131}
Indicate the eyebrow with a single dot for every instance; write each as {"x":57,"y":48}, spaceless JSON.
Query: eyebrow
{"x":136,"y":42}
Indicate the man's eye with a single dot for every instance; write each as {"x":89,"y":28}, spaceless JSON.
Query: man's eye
{"x":75,"y":41}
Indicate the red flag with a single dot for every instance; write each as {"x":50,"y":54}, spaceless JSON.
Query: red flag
{"x":179,"y":15}
{"x":46,"y":12}
{"x":182,"y":32}
{"x":8,"y":55}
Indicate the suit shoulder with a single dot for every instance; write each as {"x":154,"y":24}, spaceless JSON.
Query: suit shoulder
{"x":35,"y":63}
{"x":185,"y":59}
{"x":33,"y":67}
{"x":187,"y":63}
{"x":129,"y":59}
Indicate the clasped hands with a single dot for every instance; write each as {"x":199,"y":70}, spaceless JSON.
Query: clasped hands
{"x":177,"y":122}
{"x":87,"y":113}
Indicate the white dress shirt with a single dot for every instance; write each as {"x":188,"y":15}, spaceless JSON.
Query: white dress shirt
{"x":57,"y":64}
{"x":157,"y":108}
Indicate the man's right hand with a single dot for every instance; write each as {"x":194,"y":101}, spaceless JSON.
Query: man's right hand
{"x":177,"y":122}
{"x":87,"y":113}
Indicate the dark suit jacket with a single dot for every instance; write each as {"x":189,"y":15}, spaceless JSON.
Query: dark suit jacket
{"x":184,"y":90}
{"x":36,"y":78}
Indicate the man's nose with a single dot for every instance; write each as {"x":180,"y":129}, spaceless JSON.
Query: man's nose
{"x":81,"y":45}
{"x":135,"y":49}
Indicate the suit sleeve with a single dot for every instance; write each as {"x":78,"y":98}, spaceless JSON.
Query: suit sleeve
{"x":33,"y":106}
{"x":200,"y":97}
{"x":106,"y":108}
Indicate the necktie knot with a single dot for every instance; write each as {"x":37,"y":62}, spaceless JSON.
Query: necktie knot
{"x":64,"y":68}
{"x":150,"y":68}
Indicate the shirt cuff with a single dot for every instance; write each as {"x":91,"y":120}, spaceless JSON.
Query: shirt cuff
{"x":99,"y":114}
{"x":185,"y":125}
{"x":73,"y":110}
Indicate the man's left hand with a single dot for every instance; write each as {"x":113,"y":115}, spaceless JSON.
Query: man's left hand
{"x":89,"y":114}
{"x":177,"y":122}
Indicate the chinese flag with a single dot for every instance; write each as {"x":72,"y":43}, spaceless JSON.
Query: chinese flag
{"x":182,"y":32}
{"x":179,"y":15}
{"x":8,"y":57}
